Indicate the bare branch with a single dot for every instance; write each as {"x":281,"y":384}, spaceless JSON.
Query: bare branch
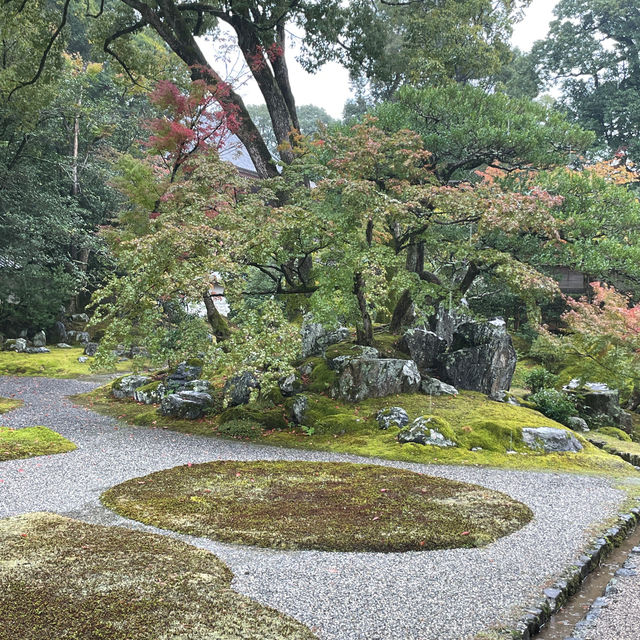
{"x":46,"y":52}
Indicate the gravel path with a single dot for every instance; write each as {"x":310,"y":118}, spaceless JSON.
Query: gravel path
{"x":435,"y":595}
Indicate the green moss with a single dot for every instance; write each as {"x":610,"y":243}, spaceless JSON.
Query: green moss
{"x":240,"y":429}
{"x":272,"y":417}
{"x":67,"y":579}
{"x":339,"y":423}
{"x":387,"y":345}
{"x":147,"y":388}
{"x":316,"y":505}
{"x":195,"y":362}
{"x":28,"y":442}
{"x":476,"y":421}
{"x":8,"y":404}
{"x":59,"y":363}
{"x":614,"y":432}
{"x":322,"y":378}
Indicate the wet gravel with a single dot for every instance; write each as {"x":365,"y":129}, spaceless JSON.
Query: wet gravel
{"x":431,"y":595}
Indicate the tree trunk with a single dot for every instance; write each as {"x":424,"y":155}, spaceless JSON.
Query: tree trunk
{"x":218,"y":323}
{"x":170,"y":25}
{"x":403,"y":312}
{"x":364,"y":332}
{"x":634,"y":401}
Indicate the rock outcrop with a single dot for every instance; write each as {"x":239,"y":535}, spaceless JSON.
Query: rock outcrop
{"x":425,"y":430}
{"x":481,"y":358}
{"x":316,"y":338}
{"x":237,"y":390}
{"x":550,"y":439}
{"x":190,"y":405}
{"x":361,"y":378}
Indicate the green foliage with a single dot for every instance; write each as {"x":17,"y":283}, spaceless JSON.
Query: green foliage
{"x":593,"y":49}
{"x":466,"y":128}
{"x":540,"y":378}
{"x":554,"y":404}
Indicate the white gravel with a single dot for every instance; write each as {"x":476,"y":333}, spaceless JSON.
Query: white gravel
{"x":429,"y":595}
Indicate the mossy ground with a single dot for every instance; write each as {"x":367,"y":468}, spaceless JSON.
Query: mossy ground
{"x":348,"y":428}
{"x":61,"y":578}
{"x":621,"y":447}
{"x":7,"y":404}
{"x":319,"y":505}
{"x":31,"y":441}
{"x":59,"y":363}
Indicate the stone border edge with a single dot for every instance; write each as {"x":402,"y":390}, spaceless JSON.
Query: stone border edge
{"x":557,"y":595}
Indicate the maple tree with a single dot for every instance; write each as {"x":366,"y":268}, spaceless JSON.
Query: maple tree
{"x":601,"y":340}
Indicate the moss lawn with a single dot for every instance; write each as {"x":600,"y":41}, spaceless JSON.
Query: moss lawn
{"x":29,"y":442}
{"x":329,"y":506}
{"x":59,"y":363}
{"x":7,"y":404}
{"x":347,"y":428}
{"x":62,"y":578}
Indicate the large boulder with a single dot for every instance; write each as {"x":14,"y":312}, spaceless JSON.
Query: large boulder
{"x":316,"y":338}
{"x":550,"y":439}
{"x":77,"y":337}
{"x":599,"y":405}
{"x":363,"y":378}
{"x":186,"y":404}
{"x":151,"y":393}
{"x":424,"y":347}
{"x":40,"y":339}
{"x":299,"y":409}
{"x":481,"y":358}
{"x":18,"y":344}
{"x":427,"y":430}
{"x":237,"y":390}
{"x":392,"y":417}
{"x":125,"y":387}
{"x":181,"y":375}
{"x":90,"y":349}
{"x":59,"y":333}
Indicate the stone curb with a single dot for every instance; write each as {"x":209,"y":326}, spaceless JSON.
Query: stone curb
{"x":556,"y":595}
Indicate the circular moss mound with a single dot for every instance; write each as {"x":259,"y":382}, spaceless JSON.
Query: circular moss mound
{"x":319,"y":505}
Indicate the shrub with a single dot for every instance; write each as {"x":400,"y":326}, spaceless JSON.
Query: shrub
{"x":554,"y":404}
{"x":540,"y":378}
{"x":240,"y":429}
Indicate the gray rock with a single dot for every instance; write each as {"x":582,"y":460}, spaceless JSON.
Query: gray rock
{"x":63,"y":345}
{"x":447,"y":322}
{"x":481,"y":358}
{"x":421,"y":431}
{"x":506,"y":397}
{"x":150,"y":396}
{"x":424,"y":347}
{"x":40,"y":339}
{"x":18,"y":344}
{"x":83,"y":359}
{"x":37,"y":350}
{"x":364,"y":378}
{"x":435,"y":387}
{"x":125,"y":387}
{"x":90,"y":349}
{"x":290,"y":385}
{"x":339,"y":363}
{"x":59,"y":333}
{"x":80,"y":318}
{"x":315,"y":338}
{"x":550,"y":439}
{"x":186,"y":404}
{"x":577,"y":424}
{"x":237,"y":389}
{"x":183,"y":373}
{"x":299,"y":409}
{"x":78,"y":337}
{"x":392,"y":417}
{"x":599,"y":405}
{"x":203,"y":386}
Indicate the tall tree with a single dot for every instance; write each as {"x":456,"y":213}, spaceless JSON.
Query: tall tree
{"x":593,"y":51}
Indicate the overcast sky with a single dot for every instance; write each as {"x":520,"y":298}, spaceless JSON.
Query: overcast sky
{"x":329,"y":87}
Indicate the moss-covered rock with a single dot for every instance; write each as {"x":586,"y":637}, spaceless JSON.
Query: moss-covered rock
{"x":614,"y":432}
{"x":428,"y":430}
